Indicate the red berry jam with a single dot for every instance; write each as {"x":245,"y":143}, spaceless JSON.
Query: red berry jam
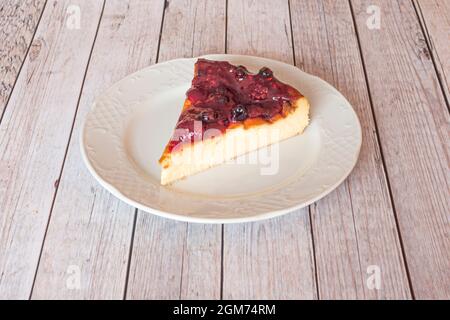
{"x":222,"y":95}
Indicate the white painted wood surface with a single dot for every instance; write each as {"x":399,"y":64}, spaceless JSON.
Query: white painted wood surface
{"x":413,"y":123}
{"x":392,"y":212}
{"x":18,"y":22}
{"x":33,"y":137}
{"x":435,"y":18}
{"x":354,"y":227}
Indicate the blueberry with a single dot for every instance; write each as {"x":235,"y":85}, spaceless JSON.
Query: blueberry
{"x":241,"y":73}
{"x":266,"y":73}
{"x":239,"y":113}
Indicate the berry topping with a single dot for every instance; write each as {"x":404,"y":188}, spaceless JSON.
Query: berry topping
{"x":195,"y":95}
{"x":222,"y":99}
{"x":218,"y":98}
{"x":221,"y":90}
{"x":258,"y":91}
{"x":222,"y":94}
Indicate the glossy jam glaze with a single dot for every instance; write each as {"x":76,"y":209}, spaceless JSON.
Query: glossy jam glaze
{"x":223,"y":95}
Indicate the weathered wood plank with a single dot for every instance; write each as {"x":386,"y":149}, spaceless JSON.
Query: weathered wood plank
{"x":269,"y":260}
{"x":413,"y":122}
{"x":435,"y":18}
{"x":89,"y":228}
{"x":354,"y":227}
{"x":272,"y":259}
{"x":202,"y":262}
{"x":174,"y":260}
{"x":156,"y":264}
{"x":33,"y":138}
{"x":18,"y":22}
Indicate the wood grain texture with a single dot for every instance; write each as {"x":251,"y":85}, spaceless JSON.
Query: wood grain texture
{"x":89,"y":227}
{"x":33,"y":138}
{"x":269,"y":260}
{"x":192,"y":28}
{"x":157,"y":258}
{"x":354,"y":227}
{"x":18,"y":22}
{"x":435,"y":19}
{"x":201,"y":272}
{"x":413,"y":124}
{"x":47,"y":196}
{"x":272,"y":259}
{"x":173,"y":260}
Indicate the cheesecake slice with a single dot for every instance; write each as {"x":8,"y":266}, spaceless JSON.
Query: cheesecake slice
{"x":229,"y":112}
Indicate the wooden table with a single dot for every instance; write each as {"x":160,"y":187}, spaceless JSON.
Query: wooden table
{"x":383,"y":234}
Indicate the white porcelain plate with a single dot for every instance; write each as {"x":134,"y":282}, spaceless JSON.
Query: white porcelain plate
{"x":126,"y":131}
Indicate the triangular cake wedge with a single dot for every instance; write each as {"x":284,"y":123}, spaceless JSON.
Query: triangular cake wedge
{"x":229,"y":112}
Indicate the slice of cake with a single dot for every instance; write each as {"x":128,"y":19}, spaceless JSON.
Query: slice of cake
{"x":229,"y":112}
